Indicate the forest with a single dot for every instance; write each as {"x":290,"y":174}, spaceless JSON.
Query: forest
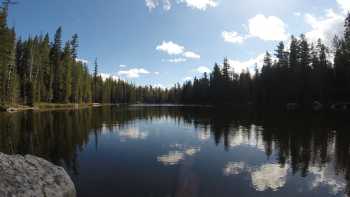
{"x":44,"y":70}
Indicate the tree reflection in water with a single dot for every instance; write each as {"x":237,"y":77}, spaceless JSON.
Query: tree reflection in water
{"x":314,"y":144}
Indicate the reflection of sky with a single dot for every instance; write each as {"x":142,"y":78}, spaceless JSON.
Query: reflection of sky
{"x":172,"y":158}
{"x":132,"y":133}
{"x":326,"y":176}
{"x":175,"y":156}
{"x":272,"y":176}
{"x":264,"y":177}
{"x":234,"y":168}
{"x":245,"y":158}
{"x":243,"y":136}
{"x":203,"y":135}
{"x":269,"y":176}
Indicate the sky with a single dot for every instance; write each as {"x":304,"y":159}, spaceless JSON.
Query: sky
{"x":162,"y":42}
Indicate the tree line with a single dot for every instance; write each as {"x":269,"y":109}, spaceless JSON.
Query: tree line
{"x":39,"y":69}
{"x":303,"y":73}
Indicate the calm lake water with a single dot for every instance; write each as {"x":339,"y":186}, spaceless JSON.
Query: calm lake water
{"x":187,"y":152}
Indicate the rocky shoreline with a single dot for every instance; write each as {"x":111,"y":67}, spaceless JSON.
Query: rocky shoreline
{"x":27,"y":176}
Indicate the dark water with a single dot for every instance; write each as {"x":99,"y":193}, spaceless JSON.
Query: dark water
{"x":183,"y":152}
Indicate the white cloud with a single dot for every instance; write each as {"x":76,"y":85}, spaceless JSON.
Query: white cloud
{"x":133,"y":73}
{"x":187,"y":79}
{"x":175,"y":60}
{"x":84,"y":61}
{"x":156,"y":73}
{"x":123,"y":66}
{"x":105,"y":76}
{"x":328,"y":25}
{"x":152,"y":4}
{"x":200,"y":4}
{"x":191,"y":55}
{"x":269,"y":176}
{"x":268,"y":28}
{"x":171,"y":48}
{"x":345,"y":5}
{"x":239,"y":66}
{"x":232,"y":37}
{"x":325,"y":27}
{"x":203,"y":69}
{"x":195,"y":4}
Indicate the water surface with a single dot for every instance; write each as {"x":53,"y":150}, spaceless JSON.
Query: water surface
{"x":187,"y":151}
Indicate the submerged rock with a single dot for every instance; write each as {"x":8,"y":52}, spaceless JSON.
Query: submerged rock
{"x":30,"y":176}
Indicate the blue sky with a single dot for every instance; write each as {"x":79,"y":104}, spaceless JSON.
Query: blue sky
{"x":161,"y":42}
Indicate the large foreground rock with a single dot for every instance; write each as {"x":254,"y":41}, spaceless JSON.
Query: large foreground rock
{"x":30,"y":176}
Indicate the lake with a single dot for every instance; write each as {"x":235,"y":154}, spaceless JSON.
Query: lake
{"x":173,"y":151}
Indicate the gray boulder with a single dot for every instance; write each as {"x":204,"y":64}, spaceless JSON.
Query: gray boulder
{"x":30,"y":176}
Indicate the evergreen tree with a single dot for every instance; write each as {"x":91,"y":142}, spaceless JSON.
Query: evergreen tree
{"x":282,"y":55}
{"x":46,"y":71}
{"x":58,"y":71}
{"x":95,"y":82}
{"x":8,"y":78}
{"x":215,"y":84}
{"x":67,"y":62}
{"x":75,"y":44}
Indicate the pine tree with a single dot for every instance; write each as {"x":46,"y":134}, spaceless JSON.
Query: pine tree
{"x":95,"y":82}
{"x":67,"y":62}
{"x":294,"y":53}
{"x":266,"y":75}
{"x":55,"y":58}
{"x":12,"y":78}
{"x":226,"y":71}
{"x":215,"y":84}
{"x":8,"y":79}
{"x":75,"y":44}
{"x":342,"y":64}
{"x":46,"y":70}
{"x":304,"y":54}
{"x":282,"y":55}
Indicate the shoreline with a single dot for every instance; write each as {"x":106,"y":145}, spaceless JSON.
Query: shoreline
{"x":51,"y":106}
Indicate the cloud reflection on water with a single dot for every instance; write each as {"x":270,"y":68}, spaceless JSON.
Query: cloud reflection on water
{"x":132,"y":133}
{"x":172,"y":158}
{"x":326,"y":176}
{"x":247,"y":136}
{"x":234,"y":168}
{"x":175,"y":156}
{"x":269,"y":176}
